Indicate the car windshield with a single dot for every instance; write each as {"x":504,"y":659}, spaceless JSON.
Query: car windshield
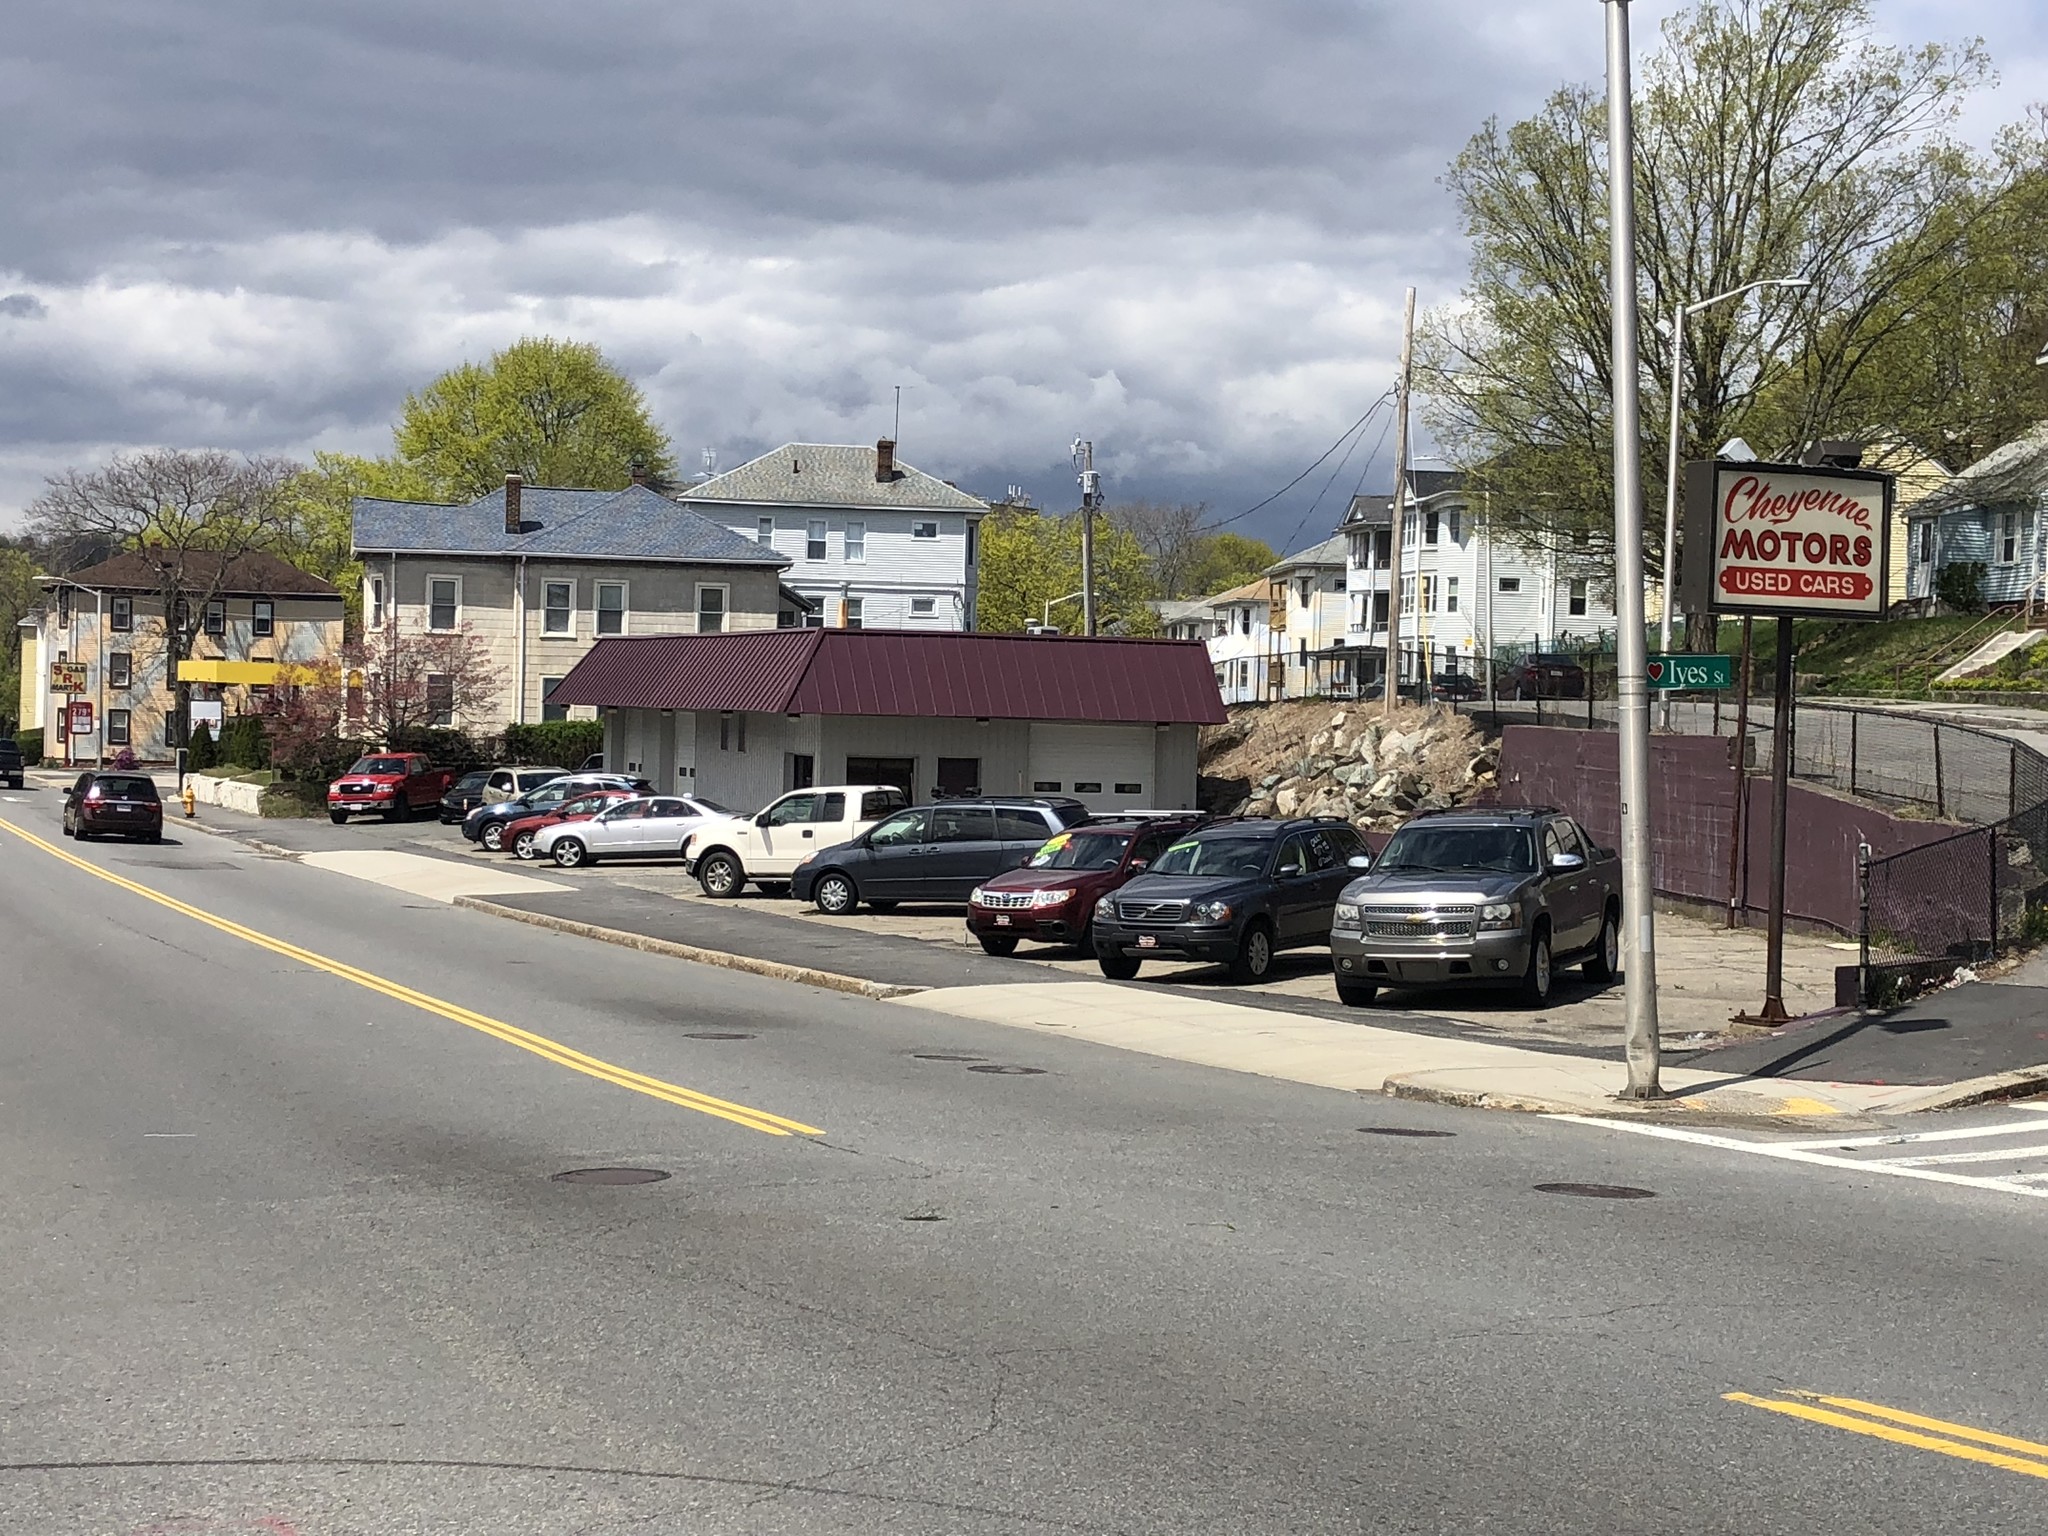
{"x":473,"y":781}
{"x":1241,"y":855}
{"x":1508,"y":850}
{"x":1083,"y":850}
{"x":125,"y":788}
{"x":379,"y":765}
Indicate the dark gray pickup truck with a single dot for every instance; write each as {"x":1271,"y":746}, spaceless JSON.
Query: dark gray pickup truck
{"x":1480,"y":897}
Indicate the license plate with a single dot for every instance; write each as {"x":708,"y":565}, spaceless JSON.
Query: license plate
{"x":1148,"y":941}
{"x":1002,"y":922}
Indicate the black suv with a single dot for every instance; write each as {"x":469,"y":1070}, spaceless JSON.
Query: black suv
{"x":1236,"y":891}
{"x":10,"y":761}
{"x":937,"y":852}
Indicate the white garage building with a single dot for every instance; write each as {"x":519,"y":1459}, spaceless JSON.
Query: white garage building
{"x":743,"y":716}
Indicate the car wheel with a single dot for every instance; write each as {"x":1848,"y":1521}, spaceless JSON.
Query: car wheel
{"x":998,"y":943}
{"x":1254,"y":960}
{"x":339,"y":818}
{"x":1356,"y":994}
{"x":570,"y":853}
{"x":834,"y":895}
{"x":522,"y":845}
{"x":1605,"y":960}
{"x":1118,"y":967}
{"x":493,"y":837}
{"x":1535,"y":990}
{"x":883,"y":906}
{"x":720,"y":876}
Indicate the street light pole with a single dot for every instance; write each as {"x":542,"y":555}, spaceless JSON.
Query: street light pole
{"x":1633,"y":684}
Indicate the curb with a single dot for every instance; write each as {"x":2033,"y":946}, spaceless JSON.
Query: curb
{"x":803,"y":975}
{"x":2020,"y":1083}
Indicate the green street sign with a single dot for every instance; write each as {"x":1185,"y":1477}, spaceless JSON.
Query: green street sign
{"x":1691,"y":671}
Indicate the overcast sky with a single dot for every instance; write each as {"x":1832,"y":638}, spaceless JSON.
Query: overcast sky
{"x":1179,"y":228}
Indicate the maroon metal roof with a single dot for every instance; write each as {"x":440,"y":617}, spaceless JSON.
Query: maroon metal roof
{"x":903,"y":672}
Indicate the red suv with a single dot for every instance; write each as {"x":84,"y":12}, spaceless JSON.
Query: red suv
{"x":518,"y":834}
{"x":1547,"y":675}
{"x":126,"y":803}
{"x":1052,"y":899}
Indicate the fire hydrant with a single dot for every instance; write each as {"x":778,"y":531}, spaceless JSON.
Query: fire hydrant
{"x":190,"y":800}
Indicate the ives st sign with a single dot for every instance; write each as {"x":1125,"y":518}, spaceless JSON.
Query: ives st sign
{"x":1691,"y":672}
{"x":1786,"y":540}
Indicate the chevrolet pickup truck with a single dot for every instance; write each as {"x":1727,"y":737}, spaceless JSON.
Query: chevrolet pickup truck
{"x":1480,"y":897}
{"x":393,"y":784}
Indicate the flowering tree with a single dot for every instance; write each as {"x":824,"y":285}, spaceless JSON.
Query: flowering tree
{"x":388,"y":686}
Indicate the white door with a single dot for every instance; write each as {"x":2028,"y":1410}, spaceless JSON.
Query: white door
{"x":1105,"y":767}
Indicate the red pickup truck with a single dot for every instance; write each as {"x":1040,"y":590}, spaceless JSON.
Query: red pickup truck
{"x":395,"y":784}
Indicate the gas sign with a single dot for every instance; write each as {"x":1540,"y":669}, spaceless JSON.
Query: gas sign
{"x":1785,"y":540}
{"x":81,"y":718}
{"x":67,"y":677}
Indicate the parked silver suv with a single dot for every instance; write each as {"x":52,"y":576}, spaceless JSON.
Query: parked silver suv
{"x":1476,"y":898}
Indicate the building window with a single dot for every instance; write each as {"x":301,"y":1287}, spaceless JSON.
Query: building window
{"x":444,"y":601}
{"x":2008,"y":537}
{"x":1578,"y":598}
{"x":1244,"y":621}
{"x":1511,"y":583}
{"x":120,"y":669}
{"x":181,"y":615}
{"x":815,"y":619}
{"x":725,"y":733}
{"x":924,"y":530}
{"x":814,"y":539}
{"x":550,"y":710}
{"x":262,"y":617}
{"x":376,"y":614}
{"x":1450,"y":594}
{"x":973,"y":542}
{"x":923,"y":607}
{"x":1429,"y":594}
{"x":1580,"y":536}
{"x":856,"y":540}
{"x":1308,"y":587}
{"x":1926,"y":545}
{"x":216,"y":618}
{"x":1457,"y":526}
{"x":853,"y":613}
{"x":122,"y":618}
{"x":117,"y":727}
{"x":259,"y":695}
{"x":440,"y":699}
{"x":611,"y":607}
{"x":558,"y":608}
{"x":1408,"y":533}
{"x":1429,"y":526}
{"x":710,"y":610}
{"x":1244,"y":674}
{"x":764,"y":532}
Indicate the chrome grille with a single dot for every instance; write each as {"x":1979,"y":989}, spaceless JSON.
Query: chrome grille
{"x":1006,"y":901}
{"x":1427,"y":928}
{"x":1158,"y":912}
{"x":1376,"y":910}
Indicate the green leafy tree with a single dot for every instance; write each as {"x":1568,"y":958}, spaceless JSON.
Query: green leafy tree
{"x":1029,"y":559}
{"x":1225,"y":560}
{"x":318,"y":506}
{"x":1775,"y":139}
{"x":553,"y":411}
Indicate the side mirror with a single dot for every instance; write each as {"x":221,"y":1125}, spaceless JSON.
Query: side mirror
{"x":1565,"y":863}
{"x":1139,"y":863}
{"x":761,"y":820}
{"x":1288,"y":871}
{"x":1359,"y":861}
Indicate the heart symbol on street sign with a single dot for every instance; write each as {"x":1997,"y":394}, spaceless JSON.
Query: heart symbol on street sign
{"x":1656,"y":670}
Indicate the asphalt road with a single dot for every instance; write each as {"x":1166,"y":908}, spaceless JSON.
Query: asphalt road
{"x":285,"y":1253}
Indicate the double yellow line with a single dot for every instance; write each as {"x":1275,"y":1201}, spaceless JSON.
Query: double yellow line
{"x":2029,"y":1458}
{"x":548,"y":1050}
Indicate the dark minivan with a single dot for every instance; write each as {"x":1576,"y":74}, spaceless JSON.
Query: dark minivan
{"x":122,"y":803}
{"x":931,"y":852}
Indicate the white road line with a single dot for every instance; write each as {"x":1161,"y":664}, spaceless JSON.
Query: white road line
{"x":1797,"y":1155}
{"x":1906,"y":1138}
{"x":1997,"y":1154}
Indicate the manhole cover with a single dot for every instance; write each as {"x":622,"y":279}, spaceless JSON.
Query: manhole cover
{"x":1001,"y":1071}
{"x":1399,"y":1130}
{"x":611,"y":1176}
{"x":1598,"y":1191}
{"x":943,"y":1056}
{"x":713,"y":1034}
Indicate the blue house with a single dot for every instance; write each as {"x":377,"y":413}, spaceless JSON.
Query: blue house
{"x":1991,"y":514}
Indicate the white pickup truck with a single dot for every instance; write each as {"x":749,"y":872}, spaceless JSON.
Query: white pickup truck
{"x":727,"y":854}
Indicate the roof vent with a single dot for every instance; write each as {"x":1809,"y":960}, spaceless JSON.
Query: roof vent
{"x":512,"y":522}
{"x":885,"y":460}
{"x":795,"y":465}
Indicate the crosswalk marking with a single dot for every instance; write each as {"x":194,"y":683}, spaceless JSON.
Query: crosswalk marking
{"x":1905,"y":1138}
{"x":1995,"y":1155}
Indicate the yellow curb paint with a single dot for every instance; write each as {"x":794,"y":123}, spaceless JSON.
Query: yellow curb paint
{"x":539,"y":1045}
{"x":1896,"y":1435}
{"x":1807,"y":1107}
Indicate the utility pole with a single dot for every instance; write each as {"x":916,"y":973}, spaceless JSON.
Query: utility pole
{"x":1393,"y":679}
{"x":1091,"y":499}
{"x":1632,"y":686}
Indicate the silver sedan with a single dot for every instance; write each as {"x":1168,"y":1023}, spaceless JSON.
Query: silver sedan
{"x":654,"y":827}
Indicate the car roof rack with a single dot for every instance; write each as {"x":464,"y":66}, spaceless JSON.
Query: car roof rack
{"x":1487,"y":810}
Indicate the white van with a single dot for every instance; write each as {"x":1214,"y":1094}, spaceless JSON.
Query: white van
{"x":766,"y":848}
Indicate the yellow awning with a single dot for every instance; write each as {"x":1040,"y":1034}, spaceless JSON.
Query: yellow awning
{"x":233,"y":672}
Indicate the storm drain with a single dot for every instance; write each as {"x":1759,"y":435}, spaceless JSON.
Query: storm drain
{"x":1002,"y":1071}
{"x":942,"y":1056}
{"x":1598,"y":1191}
{"x":713,"y":1034}
{"x":1399,"y":1130}
{"x":611,"y":1176}
{"x":925,"y":1216}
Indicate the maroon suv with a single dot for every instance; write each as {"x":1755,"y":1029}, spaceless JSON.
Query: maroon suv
{"x":1052,"y":899}
{"x":123,"y":803}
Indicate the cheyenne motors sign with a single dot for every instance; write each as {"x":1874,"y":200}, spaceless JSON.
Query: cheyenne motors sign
{"x":1783,"y":540}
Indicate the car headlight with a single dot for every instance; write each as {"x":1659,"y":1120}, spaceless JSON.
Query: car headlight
{"x":1499,"y":915}
{"x":800,"y":863}
{"x":1052,"y":898}
{"x":1211,"y":911}
{"x":974,"y":897}
{"x":1346,"y":915}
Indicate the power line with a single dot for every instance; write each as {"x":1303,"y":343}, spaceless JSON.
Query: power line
{"x":1292,"y":538}
{"x":1290,"y":485}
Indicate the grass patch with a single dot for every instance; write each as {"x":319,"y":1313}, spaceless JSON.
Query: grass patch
{"x":1897,"y":657}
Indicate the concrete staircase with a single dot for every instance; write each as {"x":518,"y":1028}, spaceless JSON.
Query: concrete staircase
{"x":1993,"y":651}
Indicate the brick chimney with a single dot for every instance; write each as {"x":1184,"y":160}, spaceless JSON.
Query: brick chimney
{"x":885,"y":460}
{"x":512,"y":485}
{"x":639,"y":471}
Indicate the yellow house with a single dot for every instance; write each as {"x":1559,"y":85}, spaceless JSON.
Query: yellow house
{"x":102,"y":639}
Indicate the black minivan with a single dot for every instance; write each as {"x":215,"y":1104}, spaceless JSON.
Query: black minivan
{"x":931,"y":852}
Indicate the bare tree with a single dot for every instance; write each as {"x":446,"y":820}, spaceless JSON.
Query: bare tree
{"x":193,"y":518}
{"x":1172,"y":537}
{"x":418,"y":680}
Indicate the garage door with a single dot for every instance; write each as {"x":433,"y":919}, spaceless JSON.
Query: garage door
{"x":1106,"y":767}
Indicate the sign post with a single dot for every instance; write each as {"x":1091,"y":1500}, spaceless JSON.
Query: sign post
{"x":1785,"y":541}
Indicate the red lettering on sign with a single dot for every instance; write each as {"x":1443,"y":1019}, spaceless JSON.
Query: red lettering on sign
{"x":1754,"y":499}
{"x":1761,"y":581}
